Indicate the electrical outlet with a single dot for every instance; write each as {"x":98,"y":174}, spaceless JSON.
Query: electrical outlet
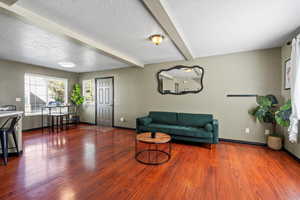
{"x":18,"y":99}
{"x":247,"y":130}
{"x":267,"y":132}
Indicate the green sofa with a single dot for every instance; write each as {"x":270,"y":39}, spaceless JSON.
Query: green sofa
{"x":181,"y":126}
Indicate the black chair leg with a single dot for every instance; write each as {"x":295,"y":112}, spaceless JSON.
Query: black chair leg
{"x":60,"y":123}
{"x":15,"y":140}
{"x":4,"y":147}
{"x":48,"y":123}
{"x":52,"y":123}
{"x":57,"y":124}
{"x":68,"y":121}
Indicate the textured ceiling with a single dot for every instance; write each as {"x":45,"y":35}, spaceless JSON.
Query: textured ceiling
{"x":121,"y":25}
{"x":214,"y":27}
{"x":26,"y":43}
{"x":209,"y":28}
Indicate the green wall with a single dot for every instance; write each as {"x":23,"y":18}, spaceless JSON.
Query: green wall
{"x":12,"y":85}
{"x":254,"y":72}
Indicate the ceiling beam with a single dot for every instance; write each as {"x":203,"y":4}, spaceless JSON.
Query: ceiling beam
{"x":8,"y":2}
{"x":49,"y":25}
{"x":157,"y":10}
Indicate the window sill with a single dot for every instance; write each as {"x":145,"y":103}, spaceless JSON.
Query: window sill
{"x":89,"y":103}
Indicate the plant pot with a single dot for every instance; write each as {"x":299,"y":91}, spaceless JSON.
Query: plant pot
{"x":274,"y":142}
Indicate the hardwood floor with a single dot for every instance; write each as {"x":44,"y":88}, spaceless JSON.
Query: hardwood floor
{"x":91,"y":162}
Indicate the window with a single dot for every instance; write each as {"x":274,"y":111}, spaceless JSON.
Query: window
{"x":88,"y":90}
{"x":42,"y":90}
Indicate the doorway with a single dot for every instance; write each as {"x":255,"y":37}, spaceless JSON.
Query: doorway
{"x":105,"y":101}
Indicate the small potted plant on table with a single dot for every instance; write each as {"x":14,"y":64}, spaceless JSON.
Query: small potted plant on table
{"x":267,"y":111}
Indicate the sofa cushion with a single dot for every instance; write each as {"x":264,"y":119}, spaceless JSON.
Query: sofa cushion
{"x":191,"y":132}
{"x":196,"y":120}
{"x":165,"y":128}
{"x":208,"y":127}
{"x":180,"y":130}
{"x":163,"y":117}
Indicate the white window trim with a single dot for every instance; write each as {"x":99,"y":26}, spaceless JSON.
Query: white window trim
{"x":84,"y":93}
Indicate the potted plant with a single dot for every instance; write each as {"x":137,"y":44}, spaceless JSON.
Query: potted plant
{"x":76,"y":97}
{"x":282,"y":116}
{"x":267,"y":111}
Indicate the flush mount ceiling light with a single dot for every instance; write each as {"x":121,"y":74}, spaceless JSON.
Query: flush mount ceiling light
{"x":188,"y":70}
{"x":156,"y":39}
{"x":67,"y":64}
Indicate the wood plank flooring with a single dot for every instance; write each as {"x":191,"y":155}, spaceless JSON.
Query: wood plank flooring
{"x":90,"y":162}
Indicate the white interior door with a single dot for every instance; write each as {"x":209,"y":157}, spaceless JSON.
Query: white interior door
{"x":105,"y":100}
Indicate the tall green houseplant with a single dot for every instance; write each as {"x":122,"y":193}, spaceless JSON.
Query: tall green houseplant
{"x":76,"y":97}
{"x":282,"y":116}
{"x":267,"y":111}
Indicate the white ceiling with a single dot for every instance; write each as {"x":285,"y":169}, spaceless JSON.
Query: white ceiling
{"x":26,"y":43}
{"x":119,"y":24}
{"x":209,"y":27}
{"x":214,"y":27}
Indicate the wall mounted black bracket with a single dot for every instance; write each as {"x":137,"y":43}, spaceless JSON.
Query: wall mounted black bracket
{"x":242,"y":95}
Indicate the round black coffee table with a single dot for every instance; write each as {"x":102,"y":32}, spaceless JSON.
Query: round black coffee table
{"x":145,"y":156}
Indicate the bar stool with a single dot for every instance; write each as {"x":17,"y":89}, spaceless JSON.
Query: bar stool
{"x":4,"y":135}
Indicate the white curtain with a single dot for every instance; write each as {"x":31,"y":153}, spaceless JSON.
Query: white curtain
{"x":295,"y":90}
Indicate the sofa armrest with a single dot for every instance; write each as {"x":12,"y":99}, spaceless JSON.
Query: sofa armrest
{"x":142,"y":121}
{"x":215,"y":131}
{"x":209,"y":127}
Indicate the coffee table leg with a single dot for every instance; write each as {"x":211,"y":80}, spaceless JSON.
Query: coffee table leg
{"x":156,"y":152}
{"x":156,"y":149}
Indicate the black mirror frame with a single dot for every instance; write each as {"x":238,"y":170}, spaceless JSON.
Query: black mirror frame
{"x":183,"y":92}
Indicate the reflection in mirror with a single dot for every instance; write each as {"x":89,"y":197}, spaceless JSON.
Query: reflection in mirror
{"x":180,"y":80}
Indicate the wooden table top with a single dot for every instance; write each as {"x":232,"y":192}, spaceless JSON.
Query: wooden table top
{"x":160,"y":138}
